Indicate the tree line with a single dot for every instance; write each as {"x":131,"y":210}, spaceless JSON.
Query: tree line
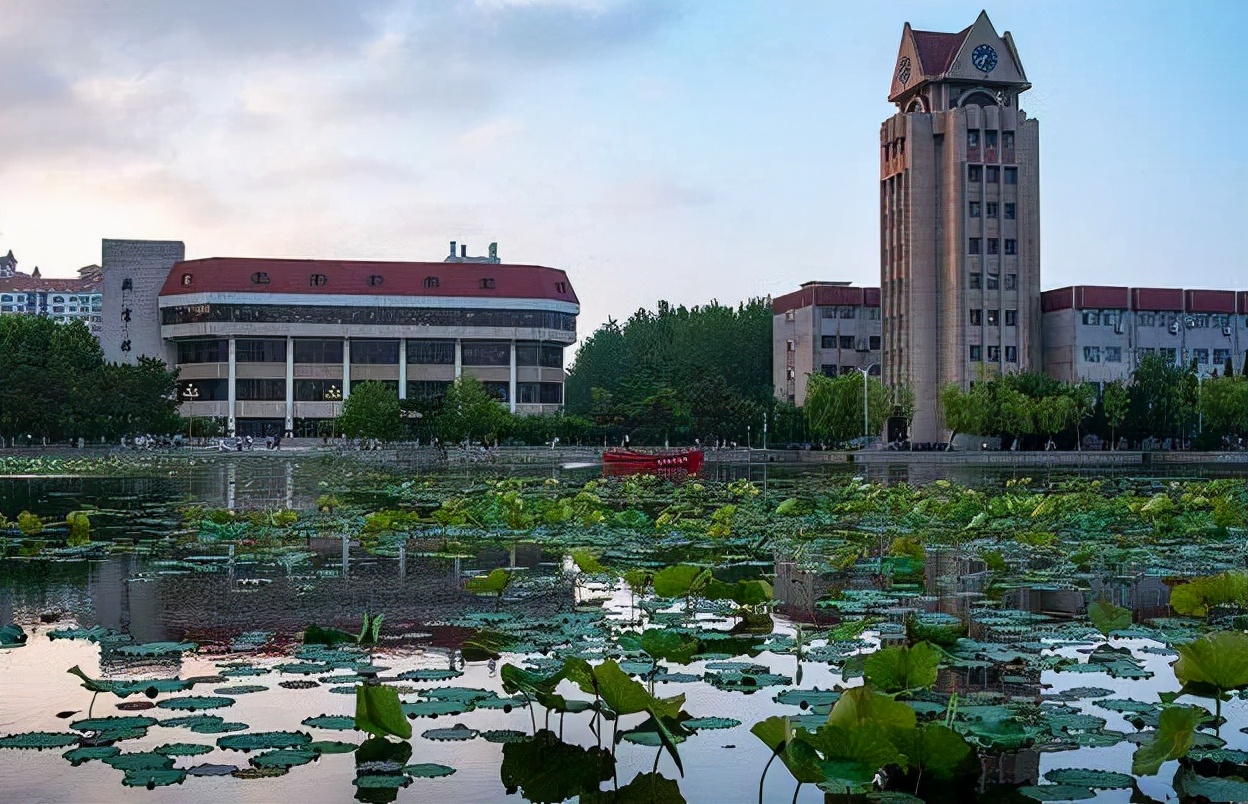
{"x":56,"y":385}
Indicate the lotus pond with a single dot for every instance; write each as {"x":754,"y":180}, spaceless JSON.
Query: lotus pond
{"x":335,"y":633}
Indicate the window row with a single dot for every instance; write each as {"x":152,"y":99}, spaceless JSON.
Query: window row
{"x":1110,"y":318}
{"x":991,"y":173}
{"x":993,"y":317}
{"x":975,"y":245}
{"x":262,"y":390}
{"x":989,"y":138}
{"x":994,"y":281}
{"x":1093,"y":354}
{"x":345,"y":315}
{"x":833,"y":370}
{"x":994,"y":354}
{"x":850,"y":342}
{"x":371,"y":352}
{"x":992,"y":209}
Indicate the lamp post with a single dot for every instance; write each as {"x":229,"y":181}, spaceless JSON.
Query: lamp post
{"x":334,"y":395}
{"x":866,"y":426}
{"x":190,"y":393}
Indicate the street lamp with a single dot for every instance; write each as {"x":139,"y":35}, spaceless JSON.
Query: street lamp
{"x":190,"y":393}
{"x":333,"y":395}
{"x":866,"y":427}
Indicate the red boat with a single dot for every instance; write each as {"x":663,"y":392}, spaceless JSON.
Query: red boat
{"x":630,"y":462}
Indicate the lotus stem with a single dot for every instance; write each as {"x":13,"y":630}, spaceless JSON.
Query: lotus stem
{"x":796,"y":790}
{"x":763,"y":778}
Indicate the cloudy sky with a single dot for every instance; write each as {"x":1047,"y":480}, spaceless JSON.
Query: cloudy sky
{"x":653,"y":148}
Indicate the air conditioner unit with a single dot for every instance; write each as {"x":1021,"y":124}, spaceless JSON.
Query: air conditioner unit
{"x":1191,"y":322}
{"x":1226,"y":331}
{"x":1174,"y":328}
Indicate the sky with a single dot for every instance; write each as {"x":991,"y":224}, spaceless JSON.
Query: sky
{"x":654,"y":149}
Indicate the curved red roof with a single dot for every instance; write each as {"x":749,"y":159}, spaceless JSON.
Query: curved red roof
{"x":363,"y":278}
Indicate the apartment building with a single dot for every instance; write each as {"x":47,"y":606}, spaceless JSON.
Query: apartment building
{"x":63,"y":300}
{"x":829,"y":328}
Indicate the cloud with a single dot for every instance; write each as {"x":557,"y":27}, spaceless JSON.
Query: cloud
{"x":654,"y":193}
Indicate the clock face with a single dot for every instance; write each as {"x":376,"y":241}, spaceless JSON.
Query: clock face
{"x":903,"y":70}
{"x":984,"y":58}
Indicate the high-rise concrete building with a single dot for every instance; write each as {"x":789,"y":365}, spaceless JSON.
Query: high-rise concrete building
{"x":959,"y":217}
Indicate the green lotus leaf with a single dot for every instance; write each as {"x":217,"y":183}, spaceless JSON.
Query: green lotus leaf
{"x":139,"y":760}
{"x":1099,"y":739}
{"x":332,"y":722}
{"x":428,"y":674}
{"x":241,"y":689}
{"x":381,"y":781}
{"x":1214,"y":664}
{"x":284,"y":758}
{"x":378,"y":711}
{"x":79,"y":755}
{"x":183,"y":749}
{"x":850,"y":756}
{"x":1193,"y":599}
{"x":39,"y":739}
{"x":455,"y":733}
{"x":669,"y":645}
{"x":1056,"y":792}
{"x":808,"y":698}
{"x":114,"y":723}
{"x":428,"y":770}
{"x":12,"y":636}
{"x":193,"y":703}
{"x":1108,"y":618}
{"x":263,"y":740}
{"x":243,"y":672}
{"x":492,"y":584}
{"x":699,"y":723}
{"x":778,"y":734}
{"x":435,"y":708}
{"x":900,"y":668}
{"x":645,"y":788}
{"x":1124,"y":705}
{"x":862,"y":706}
{"x":547,"y":770}
{"x":1084,"y":777}
{"x":504,"y":736}
{"x":935,"y":749}
{"x":331,"y":747}
{"x":1193,"y":786}
{"x":680,"y":580}
{"x":153,"y":777}
{"x":465,"y":694}
{"x":1171,"y":740}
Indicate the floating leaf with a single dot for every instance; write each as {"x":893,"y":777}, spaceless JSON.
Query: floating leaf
{"x":77,"y":756}
{"x":711,"y":723}
{"x":457,"y":732}
{"x":264,"y":740}
{"x":1084,"y":777}
{"x":333,"y":722}
{"x":284,"y":758}
{"x":153,"y":777}
{"x":808,"y":698}
{"x":112,"y":723}
{"x":435,"y":708}
{"x":935,"y":749}
{"x":183,"y":749}
{"x":504,"y":736}
{"x":1193,"y":599}
{"x":139,"y":760}
{"x":492,"y":584}
{"x":428,"y":770}
{"x":428,"y":674}
{"x":211,"y":770}
{"x":12,"y":636}
{"x":1192,"y":786}
{"x":193,"y":703}
{"x":1056,"y":792}
{"x":156,"y":648}
{"x":39,"y":739}
{"x":331,"y":747}
{"x":241,"y":689}
{"x":645,"y":788}
{"x":381,"y":781}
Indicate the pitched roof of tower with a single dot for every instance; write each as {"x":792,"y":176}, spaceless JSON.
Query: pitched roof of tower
{"x":936,"y":50}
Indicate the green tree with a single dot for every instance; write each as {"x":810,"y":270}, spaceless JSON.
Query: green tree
{"x":834,"y":405}
{"x":1224,"y":404}
{"x":1161,"y":394}
{"x":1116,"y":400}
{"x":1083,"y":397}
{"x":371,"y":411}
{"x":469,"y":412}
{"x":960,"y":411}
{"x":1053,"y":414}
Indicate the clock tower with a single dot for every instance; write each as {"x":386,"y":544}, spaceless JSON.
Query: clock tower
{"x":959,"y":217}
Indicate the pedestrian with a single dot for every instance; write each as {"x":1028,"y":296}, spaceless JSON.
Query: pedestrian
{"x":250,"y":441}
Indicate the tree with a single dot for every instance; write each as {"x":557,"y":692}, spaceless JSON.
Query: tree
{"x":960,"y":411}
{"x":371,"y":411}
{"x":903,"y":404}
{"x":1224,"y":405}
{"x":468,"y":411}
{"x":1161,"y":399}
{"x":834,"y":405}
{"x":1117,"y":402}
{"x":1228,"y":368}
{"x":1053,"y":414}
{"x":1083,"y":397}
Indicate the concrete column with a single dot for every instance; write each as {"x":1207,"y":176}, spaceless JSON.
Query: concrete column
{"x":346,"y":368}
{"x":511,"y":380}
{"x":290,"y":385}
{"x":402,"y":368}
{"x":231,"y":383}
{"x":459,"y":358}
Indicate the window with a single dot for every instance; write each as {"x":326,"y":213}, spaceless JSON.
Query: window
{"x":318,"y":390}
{"x":561,"y":287}
{"x":1011,"y":246}
{"x":847,"y":341}
{"x":1011,"y":318}
{"x":847,"y":370}
{"x":994,"y":354}
{"x":1200,"y":355}
{"x":828,"y":370}
{"x":990,"y":139}
{"x":259,"y":278}
{"x":827,"y":342}
{"x":1009,"y":210}
{"x":1170,"y":354}
{"x":1091,"y":354}
{"x":993,"y":208}
{"x":974,"y":173}
{"x":431,"y":353}
{"x":215,"y":390}
{"x":1011,"y":281}
{"x":317,"y":280}
{"x":260,"y":350}
{"x":974,"y":211}
{"x":1007,"y":139}
{"x":1109,"y":318}
{"x":375,"y":352}
{"x":498,"y":390}
{"x":486,"y":353}
{"x":847,"y":311}
{"x":252,"y":390}
{"x":1091,"y":318}
{"x":992,"y":174}
{"x":873,"y":313}
{"x":1011,"y":354}
{"x":1220,"y":356}
{"x":127,"y":284}
{"x":186,"y":279}
{"x":431,"y":281}
{"x":375,"y":280}
{"x":1113,"y":354}
{"x":976,"y":280}
{"x":427,"y":389}
{"x":977,"y":317}
{"x":994,"y":245}
{"x":487,"y":283}
{"x":994,"y":281}
{"x":874,"y":343}
{"x":1011,"y":175}
{"x":994,"y":318}
{"x":318,"y":350}
{"x":214,"y":351}
{"x":339,"y":315}
{"x":974,"y":246}
{"x":972,"y":139}
{"x":975,"y":353}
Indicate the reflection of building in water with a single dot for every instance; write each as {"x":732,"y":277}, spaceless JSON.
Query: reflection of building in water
{"x":1018,"y":767}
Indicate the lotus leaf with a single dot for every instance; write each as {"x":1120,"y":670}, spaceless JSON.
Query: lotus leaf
{"x":110,"y":724}
{"x":435,"y":708}
{"x":465,"y":694}
{"x":153,"y":777}
{"x":331,"y":747}
{"x":298,"y":684}
{"x":211,"y":770}
{"x":183,"y":749}
{"x":1190,"y":785}
{"x":493,"y":584}
{"x":12,"y":636}
{"x":1171,"y":740}
{"x":808,"y":698}
{"x":381,"y":781}
{"x":241,"y":689}
{"x":850,"y":756}
{"x":645,"y":788}
{"x":1214,"y":664}
{"x":455,"y":733}
{"x":333,"y":722}
{"x":428,"y":770}
{"x":791,"y":746}
{"x":680,"y":580}
{"x":546,"y":770}
{"x":428,"y":674}
{"x":193,"y":703}
{"x":379,"y":712}
{"x":242,"y":672}
{"x":1056,"y":792}
{"x":1193,"y":599}
{"x":711,"y":723}
{"x":39,"y":739}
{"x":139,"y":760}
{"x":77,"y":756}
{"x":1108,"y":618}
{"x":902,"y":668}
{"x":861,"y":706}
{"x":259,"y":773}
{"x":504,"y":736}
{"x":935,"y":749}
{"x":263,"y":740}
{"x":1083,"y":777}
{"x":284,"y":758}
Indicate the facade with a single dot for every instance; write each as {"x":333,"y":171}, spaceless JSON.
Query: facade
{"x":1100,"y":334}
{"x":830,"y":328}
{"x":275,"y":346}
{"x":959,"y":217}
{"x":63,"y":300}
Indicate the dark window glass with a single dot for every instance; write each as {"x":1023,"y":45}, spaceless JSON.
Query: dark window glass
{"x":386,"y":316}
{"x":318,"y":390}
{"x":1007,"y":139}
{"x":1011,"y":354}
{"x":1009,"y":211}
{"x":528,"y":393}
{"x":977,"y":317}
{"x":316,"y":280}
{"x":994,"y":281}
{"x":552,"y":393}
{"x":552,"y":355}
{"x":992,"y":207}
{"x":976,"y":280}
{"x":847,"y":341}
{"x":975,"y":354}
{"x":990,"y":139}
{"x":260,"y":350}
{"x":827,"y":342}
{"x":384,"y":353}
{"x":1011,"y":246}
{"x":486,"y":353}
{"x":972,"y":139}
{"x":1011,"y":175}
{"x":1011,"y":318}
{"x":992,"y":174}
{"x":875,"y":343}
{"x":994,"y":244}
{"x":431,"y":281}
{"x":431,"y":353}
{"x":260,"y":390}
{"x":127,"y":284}
{"x":994,"y":354}
{"x":828,"y":370}
{"x":259,"y":278}
{"x":498,"y":390}
{"x":426,"y":389}
{"x":974,"y":246}
{"x":207,"y":390}
{"x":1011,"y":281}
{"x":975,"y":207}
{"x":318,"y":350}
{"x":974,"y":173}
{"x":528,"y":354}
{"x":214,"y":351}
